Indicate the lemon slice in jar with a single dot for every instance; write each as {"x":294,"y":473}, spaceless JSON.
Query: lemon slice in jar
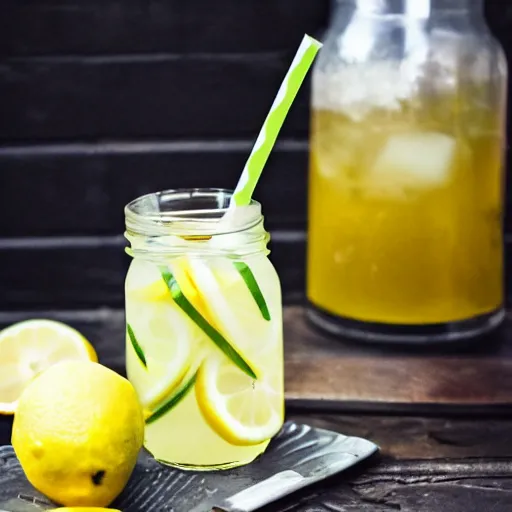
{"x":145,"y":283}
{"x":161,"y":339}
{"x":237,"y":306}
{"x":160,"y":345}
{"x":243,"y":411}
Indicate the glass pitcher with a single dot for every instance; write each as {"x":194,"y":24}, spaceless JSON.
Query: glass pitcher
{"x":406,"y":172}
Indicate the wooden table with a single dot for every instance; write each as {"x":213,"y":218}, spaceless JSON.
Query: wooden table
{"x":443,"y":418}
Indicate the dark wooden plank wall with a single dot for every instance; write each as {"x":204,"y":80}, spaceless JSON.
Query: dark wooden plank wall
{"x":101,"y":101}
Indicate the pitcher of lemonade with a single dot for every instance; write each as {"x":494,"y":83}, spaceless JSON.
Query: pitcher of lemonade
{"x":407,"y":172}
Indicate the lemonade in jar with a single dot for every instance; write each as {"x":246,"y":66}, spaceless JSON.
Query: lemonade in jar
{"x":204,"y":346}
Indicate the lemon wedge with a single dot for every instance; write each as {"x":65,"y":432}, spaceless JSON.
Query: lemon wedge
{"x":243,"y":411}
{"x":27,"y":348}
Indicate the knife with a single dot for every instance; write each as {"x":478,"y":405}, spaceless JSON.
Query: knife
{"x":17,"y":505}
{"x":264,"y":492}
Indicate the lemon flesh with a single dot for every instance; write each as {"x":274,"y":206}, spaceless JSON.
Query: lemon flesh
{"x":232,"y":309}
{"x":243,"y":411}
{"x":167,"y":337}
{"x":27,"y":348}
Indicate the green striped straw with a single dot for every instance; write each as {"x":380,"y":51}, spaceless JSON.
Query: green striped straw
{"x":275,"y":118}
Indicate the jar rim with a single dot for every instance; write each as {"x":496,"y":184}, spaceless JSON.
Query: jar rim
{"x":188,"y":211}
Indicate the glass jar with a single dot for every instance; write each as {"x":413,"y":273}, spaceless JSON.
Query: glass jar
{"x":204,"y":343}
{"x":406,"y":172}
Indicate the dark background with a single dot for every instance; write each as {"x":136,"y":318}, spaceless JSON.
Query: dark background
{"x":105,"y":100}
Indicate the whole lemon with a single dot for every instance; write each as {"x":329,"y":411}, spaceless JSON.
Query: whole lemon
{"x":83,"y":509}
{"x":77,"y":431}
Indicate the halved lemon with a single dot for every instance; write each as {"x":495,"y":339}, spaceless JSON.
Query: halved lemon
{"x":243,"y":411}
{"x":27,"y":348}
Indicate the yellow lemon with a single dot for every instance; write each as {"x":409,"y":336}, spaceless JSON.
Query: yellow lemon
{"x":27,"y":348}
{"x":83,"y":509}
{"x":243,"y":411}
{"x":77,"y":431}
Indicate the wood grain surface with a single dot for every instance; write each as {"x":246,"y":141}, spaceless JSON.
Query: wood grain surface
{"x":447,"y":461}
{"x":403,"y":437}
{"x":330,"y":374}
{"x":414,"y":486}
{"x":449,"y":485}
{"x":348,"y":375}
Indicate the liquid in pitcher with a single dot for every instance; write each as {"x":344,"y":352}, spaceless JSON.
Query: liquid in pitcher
{"x":405,"y":211}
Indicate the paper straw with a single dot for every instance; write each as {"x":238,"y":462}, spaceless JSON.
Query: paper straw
{"x":275,"y":118}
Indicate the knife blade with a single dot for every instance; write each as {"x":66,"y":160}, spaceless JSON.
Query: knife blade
{"x":263,"y":493}
{"x":24,"y":503}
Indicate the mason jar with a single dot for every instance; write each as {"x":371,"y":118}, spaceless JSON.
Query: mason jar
{"x":407,"y":172}
{"x":204,"y":343}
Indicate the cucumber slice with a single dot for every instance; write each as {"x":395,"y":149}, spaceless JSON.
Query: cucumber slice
{"x":173,"y":400}
{"x":136,"y":346}
{"x":249,"y":279}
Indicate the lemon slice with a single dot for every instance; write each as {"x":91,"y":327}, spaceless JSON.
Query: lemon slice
{"x":243,"y":411}
{"x":160,"y":343}
{"x":232,"y":307}
{"x":29,"y":347}
{"x":190,"y":306}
